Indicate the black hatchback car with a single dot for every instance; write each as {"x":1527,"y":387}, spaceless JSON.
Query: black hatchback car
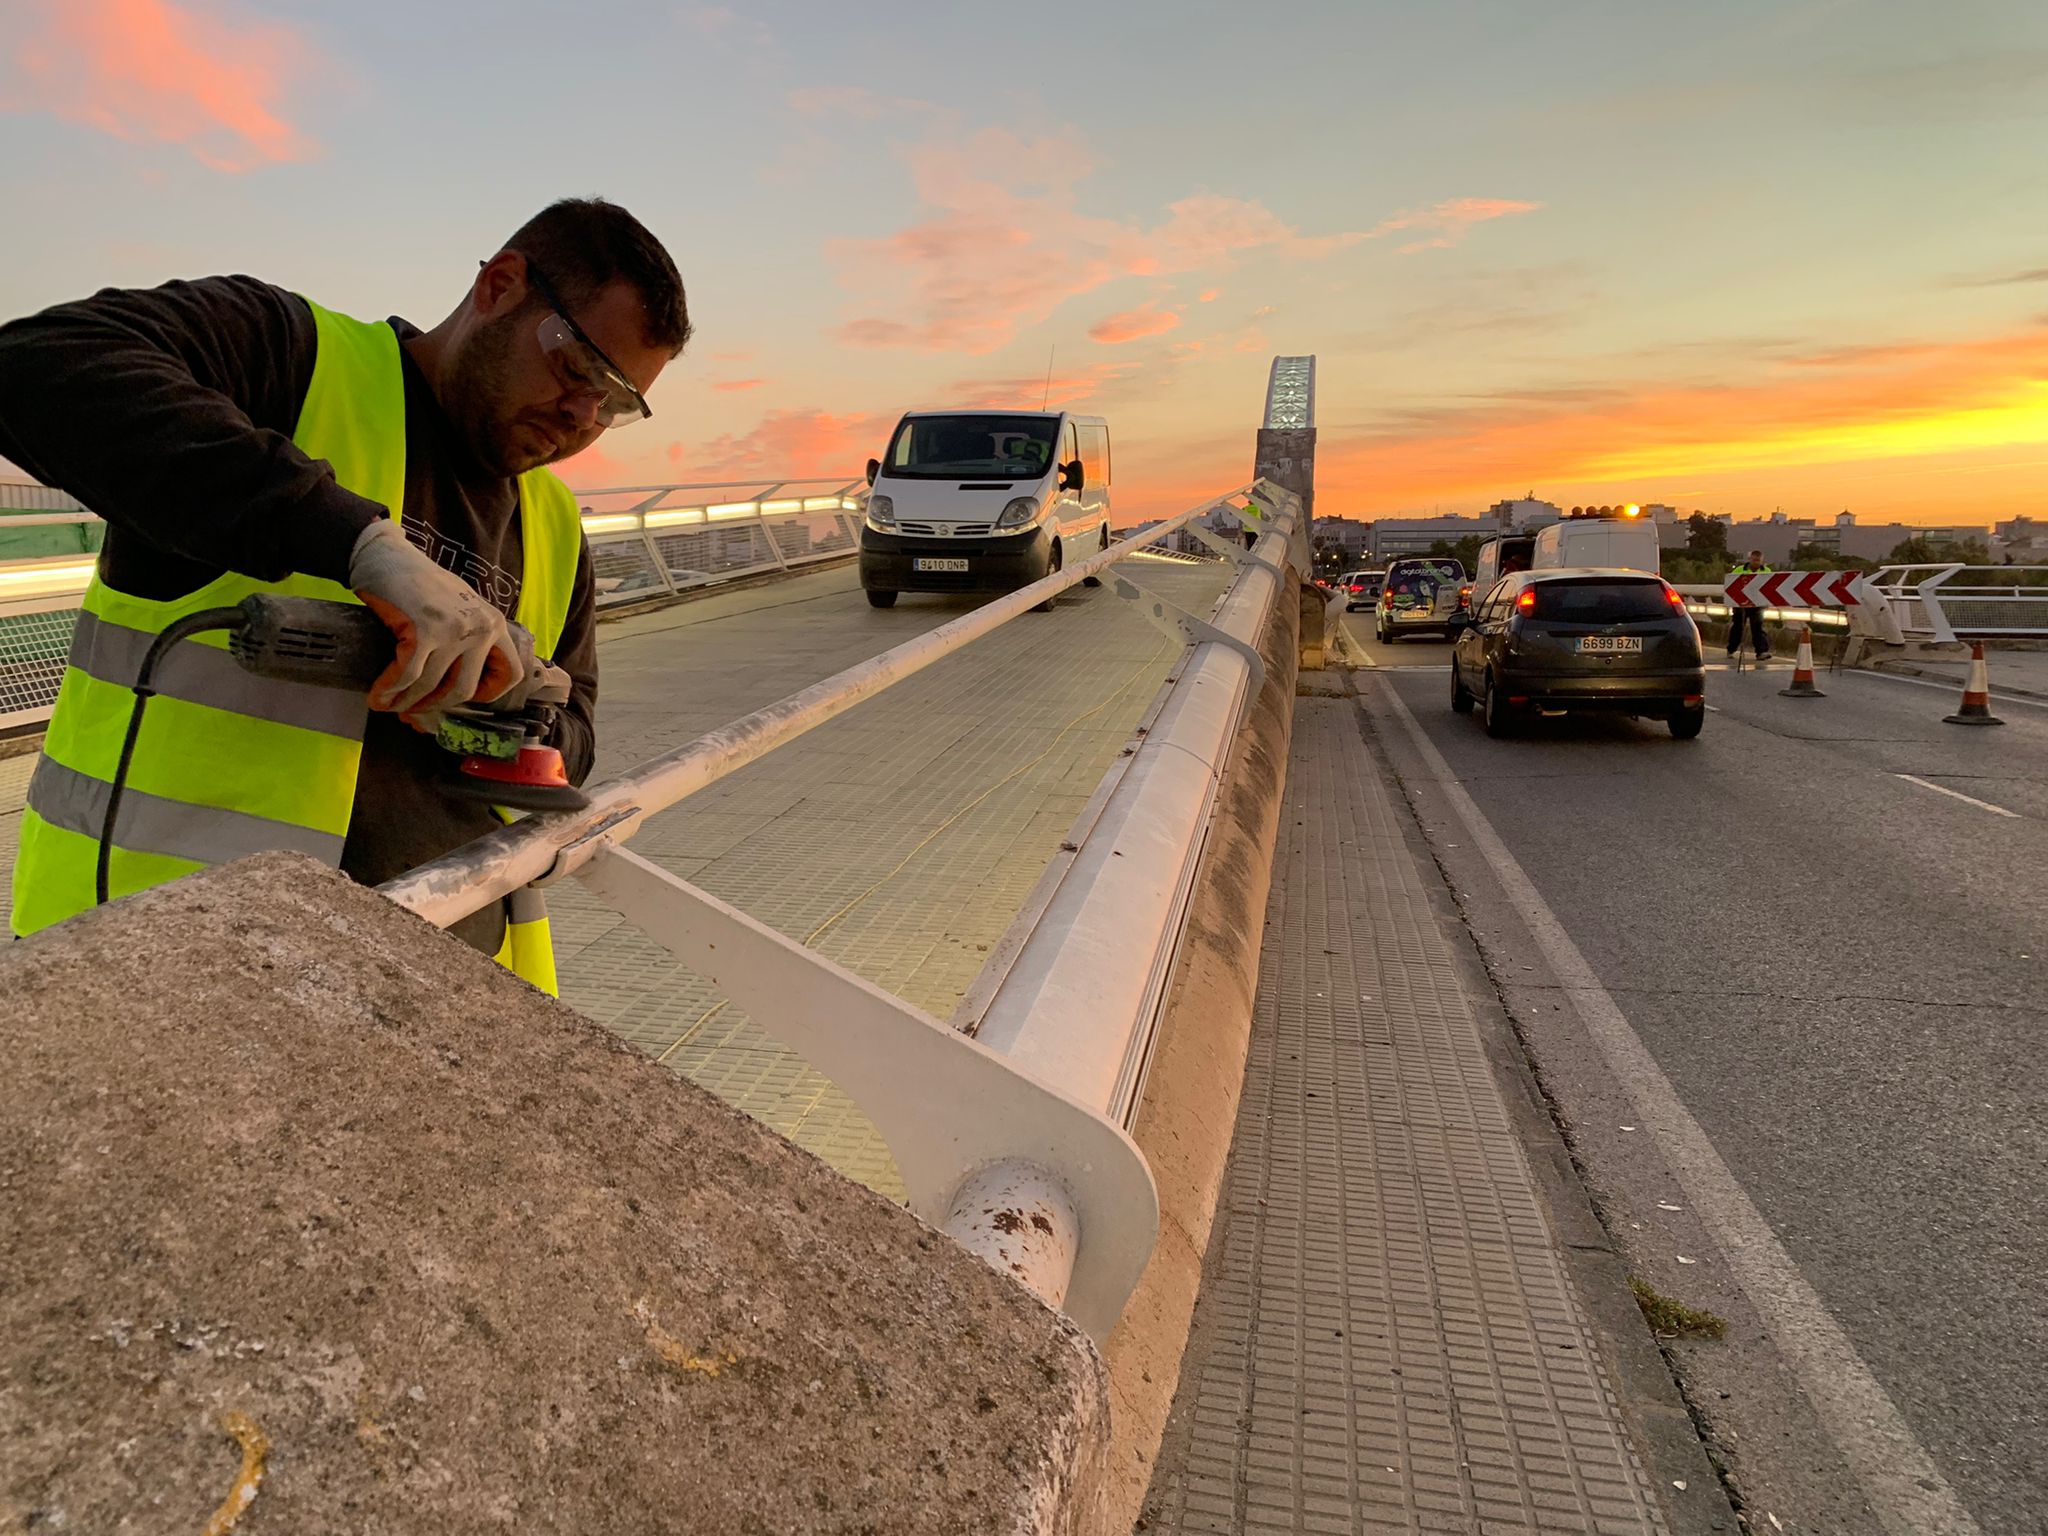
{"x":1581,"y":639}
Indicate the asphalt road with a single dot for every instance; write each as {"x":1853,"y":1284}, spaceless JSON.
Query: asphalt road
{"x":1842,"y":973}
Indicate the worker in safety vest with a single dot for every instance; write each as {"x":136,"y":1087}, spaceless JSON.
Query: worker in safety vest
{"x":239,"y":438}
{"x":1753,"y":616}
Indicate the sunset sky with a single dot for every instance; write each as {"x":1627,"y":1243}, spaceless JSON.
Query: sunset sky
{"x":1739,"y":256}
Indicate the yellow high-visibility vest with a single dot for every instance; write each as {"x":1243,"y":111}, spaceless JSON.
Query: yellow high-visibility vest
{"x":227,"y":763}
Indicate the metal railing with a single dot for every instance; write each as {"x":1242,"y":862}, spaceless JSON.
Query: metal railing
{"x":1949,"y":602}
{"x":1942,"y":603}
{"x":1014,"y":1140}
{"x":652,"y":541}
{"x":647,"y":543}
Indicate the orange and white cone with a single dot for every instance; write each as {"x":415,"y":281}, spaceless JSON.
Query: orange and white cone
{"x":1976,"y":708}
{"x":1802,"y":671}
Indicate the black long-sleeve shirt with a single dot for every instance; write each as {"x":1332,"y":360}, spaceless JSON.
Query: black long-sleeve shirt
{"x":170,"y":411}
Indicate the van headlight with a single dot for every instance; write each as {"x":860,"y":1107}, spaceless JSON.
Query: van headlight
{"x":882,"y":511}
{"x":1019,"y":512}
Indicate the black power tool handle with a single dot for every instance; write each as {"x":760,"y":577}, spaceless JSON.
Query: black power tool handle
{"x":312,"y":640}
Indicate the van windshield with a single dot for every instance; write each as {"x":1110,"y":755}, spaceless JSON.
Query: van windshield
{"x":972,"y":447}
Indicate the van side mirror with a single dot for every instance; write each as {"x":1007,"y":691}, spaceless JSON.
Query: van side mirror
{"x":1070,"y":476}
{"x":874,"y":469}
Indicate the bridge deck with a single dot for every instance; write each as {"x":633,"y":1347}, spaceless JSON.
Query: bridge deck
{"x":900,"y":839}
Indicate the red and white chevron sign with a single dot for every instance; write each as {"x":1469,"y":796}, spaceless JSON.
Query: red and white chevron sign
{"x":1796,"y":589}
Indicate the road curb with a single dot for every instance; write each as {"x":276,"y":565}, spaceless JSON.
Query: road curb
{"x":1906,"y":669}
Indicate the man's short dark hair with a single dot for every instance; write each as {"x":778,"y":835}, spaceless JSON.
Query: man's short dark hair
{"x":583,"y":244}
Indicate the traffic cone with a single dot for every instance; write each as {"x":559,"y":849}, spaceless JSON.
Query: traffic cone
{"x":1802,"y":671}
{"x":1976,"y":708}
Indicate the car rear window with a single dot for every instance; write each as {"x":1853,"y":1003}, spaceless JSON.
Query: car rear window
{"x":1593,"y":600}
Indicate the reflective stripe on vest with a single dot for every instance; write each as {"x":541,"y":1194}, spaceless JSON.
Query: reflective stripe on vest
{"x":227,"y":763}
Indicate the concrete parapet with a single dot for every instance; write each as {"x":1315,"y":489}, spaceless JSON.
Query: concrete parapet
{"x":293,"y":1184}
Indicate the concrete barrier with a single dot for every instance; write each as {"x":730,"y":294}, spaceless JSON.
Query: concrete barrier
{"x":1189,"y":1111}
{"x":308,"y":1208}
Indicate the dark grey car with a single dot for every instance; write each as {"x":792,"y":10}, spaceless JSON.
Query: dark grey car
{"x":1581,"y":639}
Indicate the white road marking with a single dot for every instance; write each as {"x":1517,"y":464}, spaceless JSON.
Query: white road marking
{"x":1899,"y":1478}
{"x":1953,"y":794}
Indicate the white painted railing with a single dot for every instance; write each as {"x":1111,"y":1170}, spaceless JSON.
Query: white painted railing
{"x":1950,"y":602}
{"x":1015,"y":1141}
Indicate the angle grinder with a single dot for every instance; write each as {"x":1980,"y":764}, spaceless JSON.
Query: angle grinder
{"x":500,"y":746}
{"x":498,"y":750}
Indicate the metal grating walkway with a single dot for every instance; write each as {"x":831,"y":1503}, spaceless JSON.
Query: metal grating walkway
{"x":1387,"y":1339}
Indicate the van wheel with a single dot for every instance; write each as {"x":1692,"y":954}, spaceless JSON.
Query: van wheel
{"x":1052,"y":565}
{"x":1096,"y":581}
{"x":881,"y":599}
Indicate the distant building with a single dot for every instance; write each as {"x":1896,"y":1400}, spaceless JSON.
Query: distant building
{"x":2024,"y":540}
{"x":1779,"y":535}
{"x":1347,"y":535}
{"x":1525,"y":512}
{"x":1393,"y":537}
{"x":27,"y":496}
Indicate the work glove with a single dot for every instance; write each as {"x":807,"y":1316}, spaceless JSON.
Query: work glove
{"x":452,"y":645}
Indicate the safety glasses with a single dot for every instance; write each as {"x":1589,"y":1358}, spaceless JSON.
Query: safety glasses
{"x":580,"y":364}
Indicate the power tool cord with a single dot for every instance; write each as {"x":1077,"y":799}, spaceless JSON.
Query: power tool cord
{"x":172,"y":633}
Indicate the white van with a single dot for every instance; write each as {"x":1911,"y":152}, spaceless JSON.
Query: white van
{"x":1612,"y":543}
{"x":983,"y":501}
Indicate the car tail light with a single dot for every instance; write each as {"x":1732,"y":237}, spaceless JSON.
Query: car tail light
{"x":1358,"y":586}
{"x":1693,"y":699}
{"x":1526,"y":601}
{"x":1386,"y":599}
{"x":1677,"y":597}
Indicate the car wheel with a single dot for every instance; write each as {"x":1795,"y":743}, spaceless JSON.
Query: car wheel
{"x":1499,"y":721}
{"x":881,"y":599}
{"x":1461,"y":696}
{"x":1685,"y":725}
{"x":1053,"y":565}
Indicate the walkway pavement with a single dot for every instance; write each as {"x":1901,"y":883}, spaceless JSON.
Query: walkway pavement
{"x":1388,"y":1338}
{"x":2021,"y":673}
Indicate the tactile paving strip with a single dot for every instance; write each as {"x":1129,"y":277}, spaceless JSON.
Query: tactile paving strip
{"x":1387,"y":1339}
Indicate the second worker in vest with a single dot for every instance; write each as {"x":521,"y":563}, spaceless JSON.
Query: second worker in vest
{"x":239,"y":438}
{"x":1741,"y":614}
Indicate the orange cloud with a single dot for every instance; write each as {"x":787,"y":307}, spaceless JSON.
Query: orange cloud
{"x":149,"y":71}
{"x":1209,"y":296}
{"x":735,"y":386}
{"x":1000,"y":244}
{"x":796,"y":443}
{"x":1035,"y":393}
{"x":595,"y":467}
{"x":1133,"y":324}
{"x":1447,"y":223}
{"x":1865,"y":405}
